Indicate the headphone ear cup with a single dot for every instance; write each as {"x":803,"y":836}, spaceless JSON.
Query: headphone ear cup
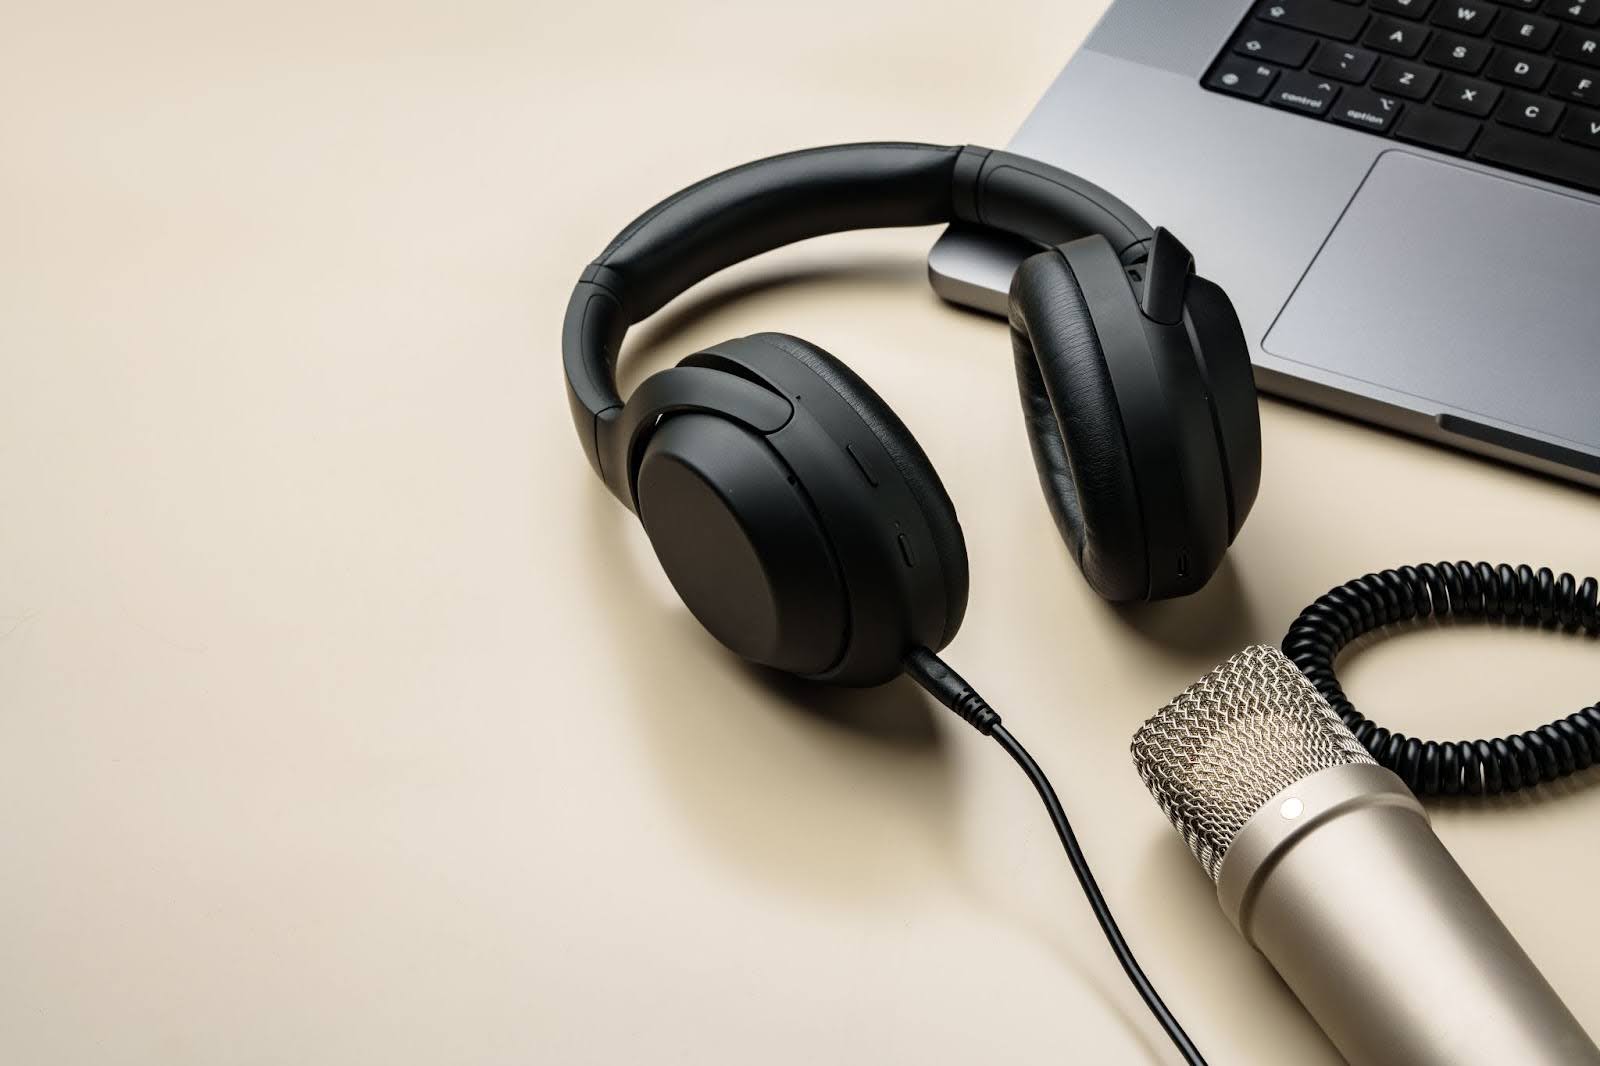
{"x":1075,"y":428}
{"x":910,"y":461}
{"x":1224,"y":360}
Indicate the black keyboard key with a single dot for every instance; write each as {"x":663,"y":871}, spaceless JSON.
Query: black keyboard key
{"x":1582,"y":127}
{"x":1436,"y":129}
{"x":1347,"y":64}
{"x":1469,"y":97}
{"x":1575,"y":83}
{"x":1241,"y":77}
{"x":1526,"y":5}
{"x":1399,"y":78}
{"x":1465,"y":16}
{"x":1394,"y":36}
{"x":1579,"y":45}
{"x":1583,"y":12}
{"x":1543,"y":157}
{"x":1525,"y":31}
{"x":1321,"y":17}
{"x":1533,"y":113}
{"x":1366,"y":110}
{"x":1274,"y":44}
{"x":1457,"y":53}
{"x":1519,"y":68}
{"x":1306,"y":93}
{"x":1411,"y":9}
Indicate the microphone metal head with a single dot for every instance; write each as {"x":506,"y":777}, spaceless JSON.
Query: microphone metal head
{"x":1233,"y":740}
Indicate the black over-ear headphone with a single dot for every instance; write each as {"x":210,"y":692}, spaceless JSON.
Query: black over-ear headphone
{"x":794,"y":512}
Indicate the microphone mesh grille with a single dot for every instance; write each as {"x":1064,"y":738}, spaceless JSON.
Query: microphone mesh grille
{"x":1238,"y":736}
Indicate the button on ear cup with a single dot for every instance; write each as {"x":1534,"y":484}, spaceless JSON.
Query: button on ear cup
{"x":1225,"y":361}
{"x":741,"y":544}
{"x":909,"y":460}
{"x":1075,"y":428}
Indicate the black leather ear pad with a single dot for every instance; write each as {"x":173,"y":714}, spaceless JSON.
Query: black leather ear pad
{"x":909,"y":459}
{"x":1075,"y":428}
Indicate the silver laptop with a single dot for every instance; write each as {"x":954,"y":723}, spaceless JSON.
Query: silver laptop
{"x":1402,"y":197}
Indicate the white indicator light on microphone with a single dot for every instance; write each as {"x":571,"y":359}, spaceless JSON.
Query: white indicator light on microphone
{"x":1292,"y":807}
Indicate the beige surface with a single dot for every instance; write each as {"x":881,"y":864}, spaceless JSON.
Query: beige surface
{"x":343,"y":716}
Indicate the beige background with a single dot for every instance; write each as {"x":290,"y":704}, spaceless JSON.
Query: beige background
{"x":344,"y":718}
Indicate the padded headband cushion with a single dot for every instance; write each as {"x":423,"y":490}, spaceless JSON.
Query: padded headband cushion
{"x":1075,"y":428}
{"x":772,"y":202}
{"x":908,"y":457}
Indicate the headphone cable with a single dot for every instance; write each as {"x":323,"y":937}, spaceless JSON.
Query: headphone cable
{"x":948,"y":687}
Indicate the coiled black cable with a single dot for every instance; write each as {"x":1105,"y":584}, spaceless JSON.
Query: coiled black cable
{"x":1512,"y":595}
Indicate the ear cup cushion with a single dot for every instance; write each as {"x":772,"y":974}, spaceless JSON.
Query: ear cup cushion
{"x":909,"y":459}
{"x":1075,"y":428}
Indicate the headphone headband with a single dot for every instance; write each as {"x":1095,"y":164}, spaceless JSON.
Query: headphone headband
{"x":767,"y":204}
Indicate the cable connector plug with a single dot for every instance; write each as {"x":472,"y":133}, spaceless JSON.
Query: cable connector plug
{"x":950,"y":689}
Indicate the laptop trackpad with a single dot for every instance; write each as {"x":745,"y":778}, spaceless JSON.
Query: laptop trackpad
{"x":1474,"y":291}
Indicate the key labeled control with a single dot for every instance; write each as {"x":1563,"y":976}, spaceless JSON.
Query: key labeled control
{"x":1306,"y":93}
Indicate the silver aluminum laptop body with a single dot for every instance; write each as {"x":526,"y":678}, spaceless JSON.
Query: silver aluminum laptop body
{"x":1422,"y":292}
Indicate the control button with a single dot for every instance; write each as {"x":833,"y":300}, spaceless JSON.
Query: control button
{"x":905,"y":550}
{"x":1242,"y":77}
{"x":861,"y":465}
{"x":1306,"y":93}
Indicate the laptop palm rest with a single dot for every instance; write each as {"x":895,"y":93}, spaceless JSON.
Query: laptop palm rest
{"x":1472,"y":291}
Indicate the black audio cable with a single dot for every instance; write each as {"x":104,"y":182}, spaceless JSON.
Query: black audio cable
{"x":1478,"y":591}
{"x":948,"y":687}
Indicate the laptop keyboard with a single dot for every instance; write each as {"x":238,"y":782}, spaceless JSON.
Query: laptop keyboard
{"x":1511,"y":83}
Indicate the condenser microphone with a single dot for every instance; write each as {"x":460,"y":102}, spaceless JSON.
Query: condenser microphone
{"x":1326,"y":863}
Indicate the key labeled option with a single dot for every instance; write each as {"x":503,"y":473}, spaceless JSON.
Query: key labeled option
{"x":1241,"y":77}
{"x":1366,"y":110}
{"x":1305,"y":93}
